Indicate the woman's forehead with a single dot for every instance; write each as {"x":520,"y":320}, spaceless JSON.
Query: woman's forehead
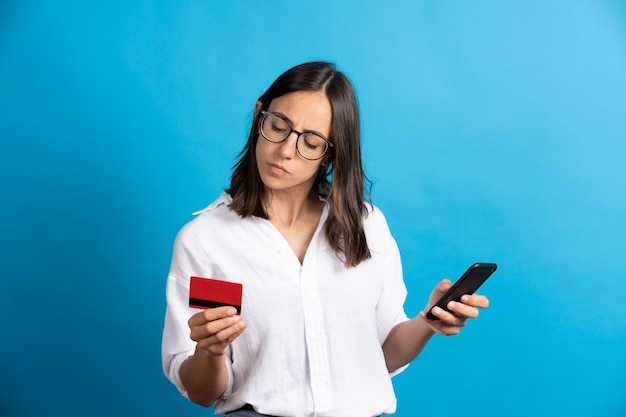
{"x":310,"y":110}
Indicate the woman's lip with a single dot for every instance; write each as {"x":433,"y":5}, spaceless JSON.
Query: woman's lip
{"x":278,"y":169}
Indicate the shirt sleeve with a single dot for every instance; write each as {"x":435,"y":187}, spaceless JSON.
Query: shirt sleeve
{"x":390,"y":307}
{"x":176,"y":344}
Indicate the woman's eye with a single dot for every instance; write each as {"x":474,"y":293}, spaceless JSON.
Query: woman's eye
{"x":311,"y":143}
{"x":279,"y":128}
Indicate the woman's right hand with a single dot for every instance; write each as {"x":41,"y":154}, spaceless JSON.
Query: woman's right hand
{"x":215,"y":329}
{"x":204,"y":374}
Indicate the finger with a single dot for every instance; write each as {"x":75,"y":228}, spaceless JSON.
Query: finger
{"x":443,"y":285}
{"x":221,"y":339}
{"x":447,"y":318}
{"x":475,"y":300}
{"x":211,"y":314}
{"x":463,"y":310}
{"x":443,"y":326}
{"x":213,"y":327}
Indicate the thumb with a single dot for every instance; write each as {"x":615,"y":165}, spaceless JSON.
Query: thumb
{"x":443,"y":285}
{"x":439,"y":290}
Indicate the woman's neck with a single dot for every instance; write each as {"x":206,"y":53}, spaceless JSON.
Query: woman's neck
{"x":296,"y":219}
{"x":287,"y":209}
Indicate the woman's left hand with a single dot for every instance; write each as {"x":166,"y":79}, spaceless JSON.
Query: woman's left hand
{"x":448,"y":323}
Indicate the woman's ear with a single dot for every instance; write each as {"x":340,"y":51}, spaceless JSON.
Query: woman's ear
{"x":257,"y":108}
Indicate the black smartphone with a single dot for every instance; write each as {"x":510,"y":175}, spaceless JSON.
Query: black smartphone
{"x":469,"y":282}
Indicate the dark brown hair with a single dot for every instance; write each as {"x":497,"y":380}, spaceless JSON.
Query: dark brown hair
{"x":340,"y":180}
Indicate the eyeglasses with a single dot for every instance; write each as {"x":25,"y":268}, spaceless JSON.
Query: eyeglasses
{"x":276,"y":129}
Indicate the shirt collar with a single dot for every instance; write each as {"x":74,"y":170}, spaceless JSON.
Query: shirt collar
{"x":223,"y":199}
{"x":226,"y":199}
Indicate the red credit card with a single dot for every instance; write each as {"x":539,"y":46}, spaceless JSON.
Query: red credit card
{"x":210,"y":293}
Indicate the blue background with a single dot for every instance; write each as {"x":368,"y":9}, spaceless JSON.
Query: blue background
{"x":492,"y":131}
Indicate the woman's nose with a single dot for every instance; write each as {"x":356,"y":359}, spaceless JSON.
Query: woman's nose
{"x":288,"y":147}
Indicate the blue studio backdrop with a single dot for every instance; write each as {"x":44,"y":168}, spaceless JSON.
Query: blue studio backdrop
{"x":492,"y":131}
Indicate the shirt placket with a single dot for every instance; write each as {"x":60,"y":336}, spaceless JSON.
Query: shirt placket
{"x":315,"y":335}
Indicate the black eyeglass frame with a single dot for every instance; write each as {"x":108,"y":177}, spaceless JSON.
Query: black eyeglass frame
{"x":292,"y":130}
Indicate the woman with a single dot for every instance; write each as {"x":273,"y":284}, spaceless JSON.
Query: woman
{"x":322,"y":327}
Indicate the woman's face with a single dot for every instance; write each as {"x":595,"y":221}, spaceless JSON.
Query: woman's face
{"x":280,"y":165}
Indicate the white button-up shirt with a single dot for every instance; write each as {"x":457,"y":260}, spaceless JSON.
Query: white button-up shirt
{"x":312,"y":346}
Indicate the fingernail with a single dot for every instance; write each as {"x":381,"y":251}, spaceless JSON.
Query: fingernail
{"x":465,"y":298}
{"x":451,"y":305}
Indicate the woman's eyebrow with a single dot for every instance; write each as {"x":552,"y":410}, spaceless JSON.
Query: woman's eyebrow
{"x":284,"y":116}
